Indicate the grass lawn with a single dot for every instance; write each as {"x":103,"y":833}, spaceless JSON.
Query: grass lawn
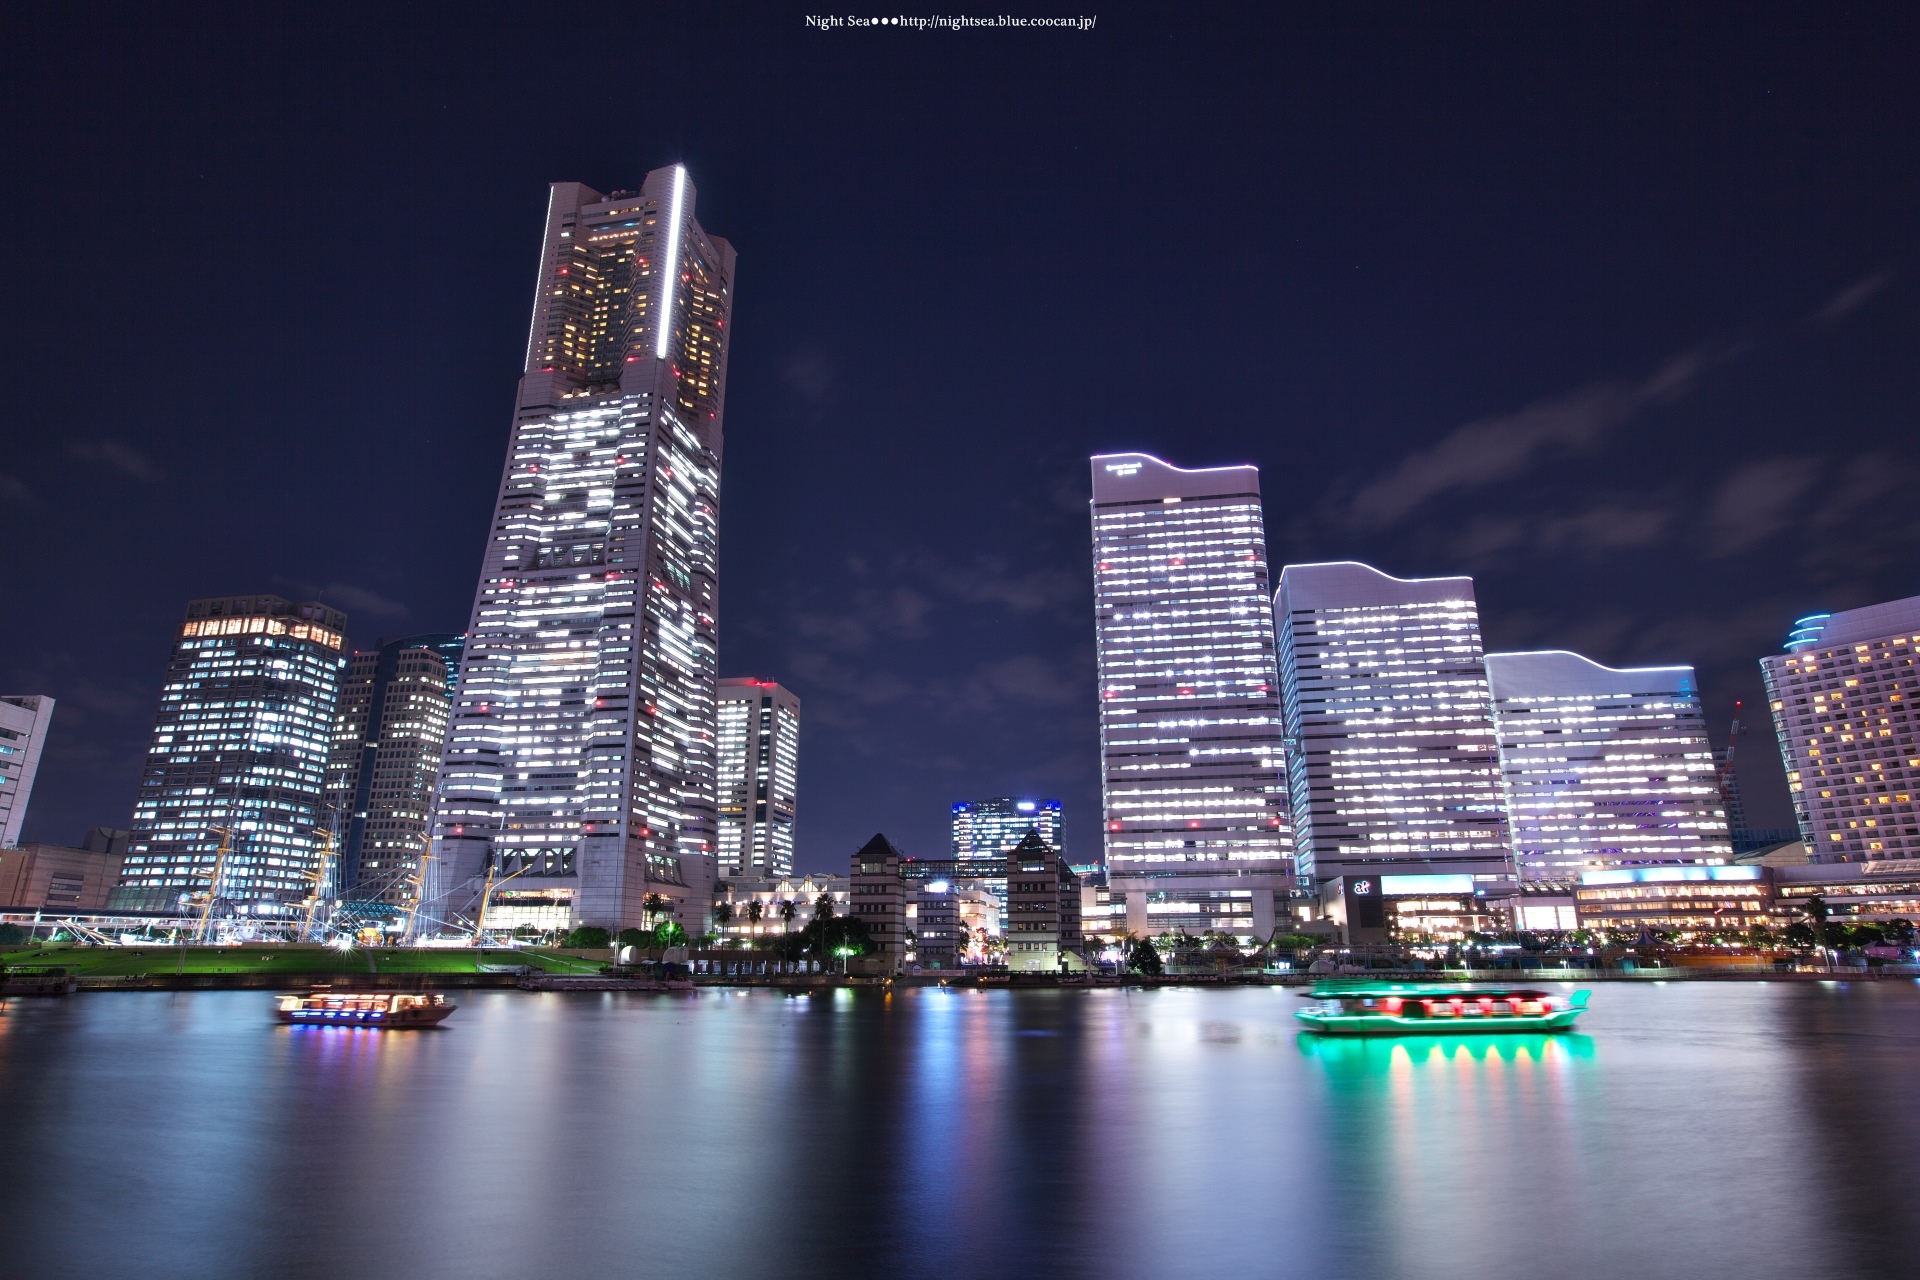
{"x":292,"y":958}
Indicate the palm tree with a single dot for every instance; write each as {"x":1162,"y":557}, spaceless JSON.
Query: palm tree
{"x":755,"y":910}
{"x":823,"y":906}
{"x":787,"y":912}
{"x":723,"y":912}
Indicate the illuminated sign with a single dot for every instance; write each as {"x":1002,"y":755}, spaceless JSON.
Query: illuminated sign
{"x":1668,"y":875}
{"x":1399,"y":886}
{"x":1361,"y":888}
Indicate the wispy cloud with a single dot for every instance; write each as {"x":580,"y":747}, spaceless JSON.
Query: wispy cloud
{"x":1854,"y":296}
{"x":1758,"y":501}
{"x":120,"y":457}
{"x":14,"y":493}
{"x":1605,"y":527}
{"x":1495,"y":449}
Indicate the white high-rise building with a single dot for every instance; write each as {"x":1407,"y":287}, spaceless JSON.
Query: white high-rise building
{"x":1604,"y":768}
{"x":991,"y":828}
{"x":1389,"y":730}
{"x":1842,"y":697}
{"x":759,"y":778}
{"x":1193,"y":767}
{"x":581,"y":758}
{"x":23,"y":735}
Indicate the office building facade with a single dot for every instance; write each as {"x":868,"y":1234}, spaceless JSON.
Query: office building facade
{"x":388,"y":738}
{"x":1390,"y":733}
{"x":581,"y":758}
{"x":238,"y":758}
{"x":758,"y":770}
{"x":1842,"y":696}
{"x":989,"y":828}
{"x":1195,"y":820}
{"x":23,"y":736}
{"x":1604,"y":768}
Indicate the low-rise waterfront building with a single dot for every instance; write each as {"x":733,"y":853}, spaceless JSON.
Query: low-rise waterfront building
{"x":1043,"y":910}
{"x":747,"y":911}
{"x":877,"y":897}
{"x":1720,"y":899}
{"x":59,"y":879}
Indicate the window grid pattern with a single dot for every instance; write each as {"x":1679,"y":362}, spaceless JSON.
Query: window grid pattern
{"x":1604,"y":768}
{"x":1190,"y":734}
{"x":1843,"y":713}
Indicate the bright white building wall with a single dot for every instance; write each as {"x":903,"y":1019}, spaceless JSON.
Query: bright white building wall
{"x":1604,"y":767}
{"x":23,"y":735}
{"x":1193,"y":764}
{"x":758,"y":763}
{"x":1389,"y":725}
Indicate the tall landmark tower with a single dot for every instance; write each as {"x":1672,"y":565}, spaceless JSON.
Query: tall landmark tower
{"x":1193,"y":767}
{"x":581,"y":756}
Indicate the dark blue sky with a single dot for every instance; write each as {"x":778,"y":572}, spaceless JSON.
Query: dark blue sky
{"x":1613,"y":308}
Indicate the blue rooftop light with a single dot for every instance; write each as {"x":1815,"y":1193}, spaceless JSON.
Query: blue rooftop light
{"x":1806,"y":631}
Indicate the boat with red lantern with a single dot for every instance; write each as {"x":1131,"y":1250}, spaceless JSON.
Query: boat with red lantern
{"x":1405,"y":1008}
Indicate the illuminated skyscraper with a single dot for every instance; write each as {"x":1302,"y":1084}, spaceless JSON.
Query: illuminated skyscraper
{"x":1604,"y":768}
{"x":23,"y":733}
{"x":989,"y":828}
{"x":388,"y":737}
{"x":1389,"y":727}
{"x":240,"y":745}
{"x":581,"y":757}
{"x":759,"y":770}
{"x":1193,"y":765}
{"x":1842,"y":697}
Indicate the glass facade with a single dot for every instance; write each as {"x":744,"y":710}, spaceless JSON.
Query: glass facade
{"x":989,"y":828}
{"x":1389,"y":724}
{"x":1842,"y":698}
{"x":581,"y":758}
{"x":1603,"y":767}
{"x":759,"y":777}
{"x":387,"y":742}
{"x":240,"y":746}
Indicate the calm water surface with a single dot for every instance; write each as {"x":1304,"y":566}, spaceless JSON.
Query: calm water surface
{"x":1697,"y":1130}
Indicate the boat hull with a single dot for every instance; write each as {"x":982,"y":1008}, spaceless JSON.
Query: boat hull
{"x":415,"y":1019}
{"x":1389,"y":1024}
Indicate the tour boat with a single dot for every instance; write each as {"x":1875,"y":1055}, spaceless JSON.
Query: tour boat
{"x":397,"y":1009}
{"x":1399,"y":1009}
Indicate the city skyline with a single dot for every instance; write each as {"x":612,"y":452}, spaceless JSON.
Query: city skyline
{"x":1447,"y":355}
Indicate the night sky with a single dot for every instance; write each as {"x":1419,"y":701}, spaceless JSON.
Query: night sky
{"x":1613,"y":307}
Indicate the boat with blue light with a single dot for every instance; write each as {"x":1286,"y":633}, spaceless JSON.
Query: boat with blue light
{"x":394,"y":1010}
{"x":1408,"y":1008}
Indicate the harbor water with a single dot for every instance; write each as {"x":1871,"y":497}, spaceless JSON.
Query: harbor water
{"x":1703,"y":1129}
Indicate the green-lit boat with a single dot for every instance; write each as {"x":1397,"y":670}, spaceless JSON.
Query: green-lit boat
{"x":1408,"y":1008}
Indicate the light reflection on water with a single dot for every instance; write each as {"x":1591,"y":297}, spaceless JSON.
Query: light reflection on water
{"x":1700,"y":1130}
